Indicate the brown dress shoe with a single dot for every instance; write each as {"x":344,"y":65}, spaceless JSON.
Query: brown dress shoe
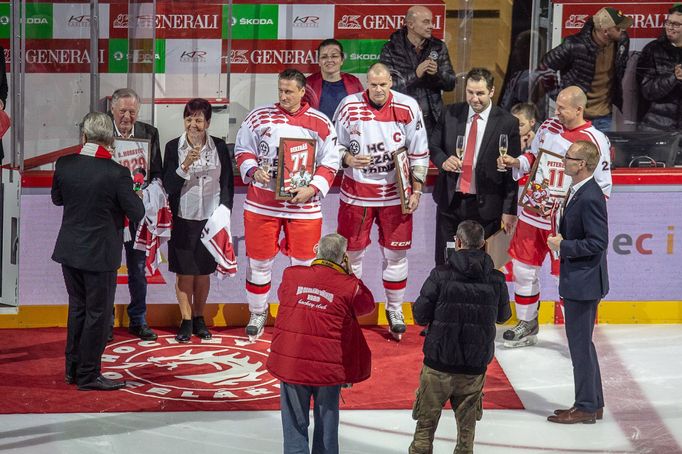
{"x":600,"y":412}
{"x":573,"y":416}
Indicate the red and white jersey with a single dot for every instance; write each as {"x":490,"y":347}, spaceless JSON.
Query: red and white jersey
{"x":364,"y":130}
{"x":257,"y":145}
{"x":554,"y":137}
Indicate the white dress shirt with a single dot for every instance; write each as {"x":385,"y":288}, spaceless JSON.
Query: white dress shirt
{"x":200,"y":195}
{"x":482,"y":122}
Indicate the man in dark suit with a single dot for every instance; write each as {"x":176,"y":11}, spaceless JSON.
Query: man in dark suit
{"x":125,"y":106}
{"x":479,"y":192}
{"x":96,"y":193}
{"x":583,"y":280}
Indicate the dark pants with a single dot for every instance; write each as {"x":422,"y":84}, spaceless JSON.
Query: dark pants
{"x":137,"y":285}
{"x":580,"y":317}
{"x":463,"y":207}
{"x":295,"y":407}
{"x":465,"y":393}
{"x":91,"y":300}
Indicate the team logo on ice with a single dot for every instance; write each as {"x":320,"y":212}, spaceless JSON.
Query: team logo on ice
{"x":222,"y":369}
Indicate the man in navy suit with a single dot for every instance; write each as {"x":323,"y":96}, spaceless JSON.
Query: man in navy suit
{"x":583,"y":279}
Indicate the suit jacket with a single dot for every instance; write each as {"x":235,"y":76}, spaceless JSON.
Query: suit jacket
{"x":96,"y":195}
{"x":173,"y":182}
{"x":584,"y":227}
{"x":143,"y":130}
{"x":495,"y":191}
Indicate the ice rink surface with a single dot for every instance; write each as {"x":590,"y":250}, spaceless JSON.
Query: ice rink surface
{"x":641,"y":366}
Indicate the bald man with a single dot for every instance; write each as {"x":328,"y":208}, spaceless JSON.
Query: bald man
{"x":528,"y":247}
{"x":419,"y":63}
{"x":372,"y":126}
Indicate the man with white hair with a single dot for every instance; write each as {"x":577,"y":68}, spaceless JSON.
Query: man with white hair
{"x":125,"y":107}
{"x":89,"y":245}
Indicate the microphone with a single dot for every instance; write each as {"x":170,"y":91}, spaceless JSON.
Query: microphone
{"x":138,"y":178}
{"x":433,"y":55}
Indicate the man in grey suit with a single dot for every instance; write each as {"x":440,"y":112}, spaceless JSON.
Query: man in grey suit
{"x":125,"y":106}
{"x":471,"y":187}
{"x":96,"y":193}
{"x":583,"y":278}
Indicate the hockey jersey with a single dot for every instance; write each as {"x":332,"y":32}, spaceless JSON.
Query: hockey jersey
{"x":257,"y":145}
{"x":554,"y":137}
{"x":364,"y":130}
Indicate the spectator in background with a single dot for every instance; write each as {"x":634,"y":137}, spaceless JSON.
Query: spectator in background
{"x":527,"y":114}
{"x":461,"y":301}
{"x":420,"y":64}
{"x":594,"y":59}
{"x":97,"y":194}
{"x":327,"y":87}
{"x":521,"y":84}
{"x":125,"y":106}
{"x":659,"y":74}
{"x":198,"y":177}
{"x":3,"y":93}
{"x":318,"y":345}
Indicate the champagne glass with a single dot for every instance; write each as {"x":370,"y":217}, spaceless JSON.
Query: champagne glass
{"x":503,"y":147}
{"x":459,"y":151}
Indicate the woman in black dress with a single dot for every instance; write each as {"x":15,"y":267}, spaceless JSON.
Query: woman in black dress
{"x":197,"y":175}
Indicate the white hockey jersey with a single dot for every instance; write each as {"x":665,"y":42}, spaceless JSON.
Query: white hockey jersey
{"x":257,"y":144}
{"x":554,"y":137}
{"x":364,"y":130}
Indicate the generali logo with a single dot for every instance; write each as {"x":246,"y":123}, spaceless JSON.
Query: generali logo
{"x":193,"y":56}
{"x":170,"y":21}
{"x":239,"y":57}
{"x":60,"y":56}
{"x":576,"y":20}
{"x":306,"y":22}
{"x":349,"y":22}
{"x":221,"y":369}
{"x":273,"y":57}
{"x":379,"y":22}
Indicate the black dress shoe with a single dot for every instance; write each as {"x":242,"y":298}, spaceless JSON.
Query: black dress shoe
{"x":69,"y":378}
{"x":110,"y":337}
{"x":185,"y":332}
{"x":199,"y":328}
{"x":102,"y":383}
{"x":143,"y":332}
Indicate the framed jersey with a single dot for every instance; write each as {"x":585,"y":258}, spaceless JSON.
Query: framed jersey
{"x":133,"y":154}
{"x":295,"y":166}
{"x":402,"y":171}
{"x":547,"y":185}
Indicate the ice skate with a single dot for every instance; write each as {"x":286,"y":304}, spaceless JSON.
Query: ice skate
{"x":256,"y":324}
{"x":524,"y":334}
{"x":396,"y":324}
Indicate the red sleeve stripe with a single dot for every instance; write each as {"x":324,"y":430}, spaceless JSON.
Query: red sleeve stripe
{"x":244,"y":156}
{"x":327,"y":173}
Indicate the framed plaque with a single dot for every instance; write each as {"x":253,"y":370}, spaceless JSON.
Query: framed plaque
{"x":547,"y":185}
{"x":402,"y":174}
{"x":295,"y":166}
{"x":133,"y":154}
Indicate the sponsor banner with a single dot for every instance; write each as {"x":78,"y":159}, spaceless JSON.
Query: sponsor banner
{"x":306,"y":21}
{"x":272,"y":56}
{"x":5,"y":23}
{"x":252,"y":21}
{"x":39,"y":20}
{"x":647,"y":19}
{"x":72,"y":21}
{"x":140,"y":58}
{"x":191,"y":56}
{"x":378,"y":22}
{"x":361,"y":53}
{"x":63,"y":55}
{"x":173,"y":20}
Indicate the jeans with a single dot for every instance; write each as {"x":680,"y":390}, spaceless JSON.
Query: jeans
{"x":603,"y":123}
{"x":295,"y":405}
{"x":137,"y":285}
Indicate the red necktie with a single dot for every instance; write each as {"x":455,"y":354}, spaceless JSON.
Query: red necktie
{"x":469,"y":151}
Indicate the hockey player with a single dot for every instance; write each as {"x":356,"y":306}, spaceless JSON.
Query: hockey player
{"x":372,"y":126}
{"x":256,"y":151}
{"x":528,"y":247}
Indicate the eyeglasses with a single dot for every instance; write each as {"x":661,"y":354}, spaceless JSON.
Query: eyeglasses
{"x":573,"y":159}
{"x":673,"y":25}
{"x":330,"y":57}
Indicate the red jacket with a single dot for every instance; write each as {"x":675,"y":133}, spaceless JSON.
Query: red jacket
{"x":317,"y":339}
{"x":313,"y":90}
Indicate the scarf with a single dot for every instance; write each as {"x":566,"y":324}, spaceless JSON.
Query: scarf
{"x":96,"y":151}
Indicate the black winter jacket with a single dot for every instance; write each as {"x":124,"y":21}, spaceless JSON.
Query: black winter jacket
{"x":399,"y":55}
{"x":658,"y":85}
{"x":576,"y":58}
{"x":462,"y":300}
